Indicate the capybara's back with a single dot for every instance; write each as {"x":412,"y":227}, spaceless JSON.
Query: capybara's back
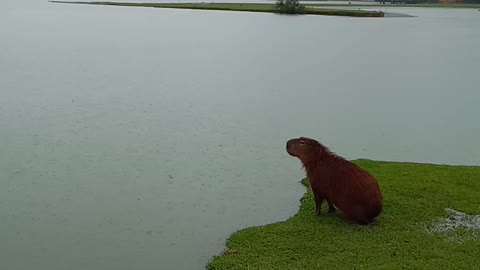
{"x":351,"y":189}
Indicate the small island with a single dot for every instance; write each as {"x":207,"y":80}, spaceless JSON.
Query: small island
{"x":281,"y":7}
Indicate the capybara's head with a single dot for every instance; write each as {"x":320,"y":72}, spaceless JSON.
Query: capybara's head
{"x":302,"y":148}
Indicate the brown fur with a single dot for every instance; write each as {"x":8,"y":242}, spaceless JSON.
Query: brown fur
{"x":352,"y":190}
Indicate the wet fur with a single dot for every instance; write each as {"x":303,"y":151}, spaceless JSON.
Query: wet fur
{"x":352,"y":190}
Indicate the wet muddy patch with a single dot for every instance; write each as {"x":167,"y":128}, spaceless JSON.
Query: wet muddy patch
{"x":457,"y":227}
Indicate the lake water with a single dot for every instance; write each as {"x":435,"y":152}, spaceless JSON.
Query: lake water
{"x":136,"y":138}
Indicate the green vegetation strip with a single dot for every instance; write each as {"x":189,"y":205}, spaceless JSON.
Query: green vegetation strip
{"x":395,"y":5}
{"x":415,"y":197}
{"x":270,"y":8}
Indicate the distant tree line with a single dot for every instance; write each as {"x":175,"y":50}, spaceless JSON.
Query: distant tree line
{"x":289,"y":7}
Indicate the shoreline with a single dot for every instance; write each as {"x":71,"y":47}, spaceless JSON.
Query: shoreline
{"x":453,"y":6}
{"x":414,"y":205}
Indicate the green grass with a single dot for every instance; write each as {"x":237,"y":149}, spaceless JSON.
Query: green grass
{"x":269,"y":8}
{"x":415,"y":196}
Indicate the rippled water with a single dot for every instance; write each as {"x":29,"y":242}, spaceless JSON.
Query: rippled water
{"x":136,"y":138}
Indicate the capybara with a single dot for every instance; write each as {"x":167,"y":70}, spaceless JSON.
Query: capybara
{"x":347,"y":187}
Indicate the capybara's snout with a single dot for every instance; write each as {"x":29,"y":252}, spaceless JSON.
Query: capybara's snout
{"x":289,"y":146}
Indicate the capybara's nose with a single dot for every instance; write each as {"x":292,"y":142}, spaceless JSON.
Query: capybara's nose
{"x":289,"y":142}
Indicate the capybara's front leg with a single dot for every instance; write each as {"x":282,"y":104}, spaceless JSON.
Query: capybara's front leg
{"x":318,"y":202}
{"x":331,"y":208}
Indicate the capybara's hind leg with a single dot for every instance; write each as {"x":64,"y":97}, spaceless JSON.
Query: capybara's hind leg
{"x":357,"y":215}
{"x":318,"y":203}
{"x":372,"y":219}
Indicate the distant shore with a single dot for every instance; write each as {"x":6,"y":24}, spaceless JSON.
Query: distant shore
{"x":378,"y":5}
{"x":268,"y":8}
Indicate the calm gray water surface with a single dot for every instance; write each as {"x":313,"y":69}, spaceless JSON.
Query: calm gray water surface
{"x":136,"y":138}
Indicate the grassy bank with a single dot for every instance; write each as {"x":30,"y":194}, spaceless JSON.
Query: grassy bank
{"x":415,"y":197}
{"x":269,"y":8}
